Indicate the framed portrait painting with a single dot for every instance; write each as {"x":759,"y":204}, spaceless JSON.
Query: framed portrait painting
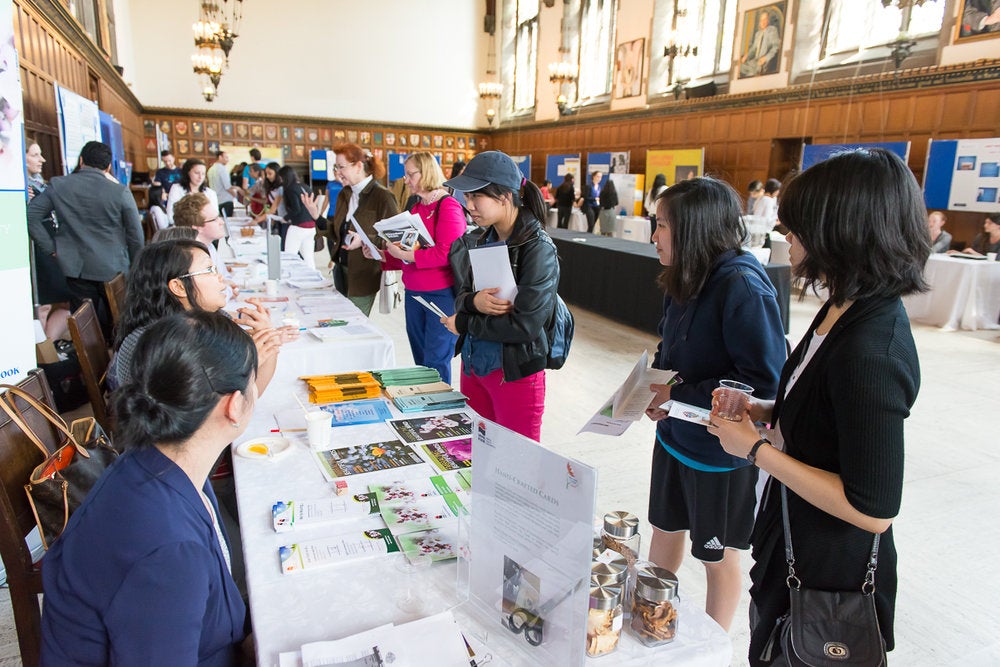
{"x":763,"y":34}
{"x":977,"y":19}
{"x":628,"y":68}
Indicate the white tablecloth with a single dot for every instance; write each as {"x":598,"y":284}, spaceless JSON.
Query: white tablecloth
{"x":965,"y":293}
{"x":632,"y":228}
{"x":577,"y":220}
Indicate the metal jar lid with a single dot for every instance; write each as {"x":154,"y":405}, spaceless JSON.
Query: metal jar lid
{"x":605,"y":597}
{"x":598,"y":541}
{"x":621,"y":524}
{"x":656,"y":584}
{"x":609,"y":572}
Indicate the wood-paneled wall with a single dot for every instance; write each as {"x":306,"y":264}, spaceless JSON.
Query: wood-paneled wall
{"x":739,"y":132}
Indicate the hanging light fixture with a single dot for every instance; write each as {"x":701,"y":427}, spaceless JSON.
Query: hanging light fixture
{"x":215,"y":32}
{"x":490,"y":91}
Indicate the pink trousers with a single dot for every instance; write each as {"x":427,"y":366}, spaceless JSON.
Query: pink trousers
{"x":516,"y":405}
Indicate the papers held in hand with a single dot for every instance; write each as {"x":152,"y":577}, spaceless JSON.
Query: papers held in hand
{"x":628,"y":404}
{"x":491,"y":268}
{"x":406,"y":230}
{"x":365,"y":241}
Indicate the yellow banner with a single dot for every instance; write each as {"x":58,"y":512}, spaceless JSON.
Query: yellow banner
{"x":675,"y":165}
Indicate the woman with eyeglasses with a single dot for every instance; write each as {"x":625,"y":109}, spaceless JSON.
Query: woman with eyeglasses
{"x":362,"y":203}
{"x":142,"y":575}
{"x":176,"y":276}
{"x":426,"y":273}
{"x":193,"y":179}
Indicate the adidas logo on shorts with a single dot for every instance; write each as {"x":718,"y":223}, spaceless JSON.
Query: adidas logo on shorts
{"x":714,"y":543}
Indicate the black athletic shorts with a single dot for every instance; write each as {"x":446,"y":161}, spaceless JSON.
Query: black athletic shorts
{"x":717,"y":508}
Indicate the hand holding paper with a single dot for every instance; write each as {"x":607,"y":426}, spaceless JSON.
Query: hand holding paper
{"x":491,"y":269}
{"x":488,"y":302}
{"x":360,"y":237}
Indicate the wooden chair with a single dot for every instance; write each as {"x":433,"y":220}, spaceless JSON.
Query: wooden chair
{"x":115,"y":290}
{"x":18,"y":457}
{"x":148,"y":227}
{"x":85,"y":330}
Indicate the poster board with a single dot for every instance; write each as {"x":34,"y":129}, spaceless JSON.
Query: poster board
{"x":523,"y":163}
{"x":598,"y":162}
{"x":239,"y":153}
{"x":557,"y":166}
{"x":630,"y":193}
{"x":79,"y":122}
{"x":676,"y":164}
{"x":321,"y":163}
{"x":813,"y":153}
{"x":963,"y":175}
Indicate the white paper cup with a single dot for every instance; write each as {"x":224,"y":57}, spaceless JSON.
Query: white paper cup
{"x":290,"y":322}
{"x":733,"y":399}
{"x":992,"y":256}
{"x":318,"y":429}
{"x":271,"y":288}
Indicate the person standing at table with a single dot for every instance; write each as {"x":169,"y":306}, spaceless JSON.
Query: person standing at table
{"x":565,"y":199}
{"x":608,"y":200}
{"x":220,"y":183}
{"x":194,"y":178}
{"x":592,"y":200}
{"x":721,"y":321}
{"x":986,"y":241}
{"x":169,"y":173}
{"x":249,"y":179}
{"x":100,"y":232}
{"x":300,"y":234}
{"x":363,"y":201}
{"x":755,"y":190}
{"x":158,"y":587}
{"x":426,"y":272}
{"x":503,"y":343}
{"x":857,"y":225}
{"x":940,"y":239}
{"x":766,"y":206}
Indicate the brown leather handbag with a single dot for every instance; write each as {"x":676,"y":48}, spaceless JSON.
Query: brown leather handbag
{"x":59,"y":484}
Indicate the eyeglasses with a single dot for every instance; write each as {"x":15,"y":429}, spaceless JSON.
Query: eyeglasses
{"x":411,"y":174}
{"x":341,"y":167}
{"x":211,"y":269}
{"x":211,"y":220}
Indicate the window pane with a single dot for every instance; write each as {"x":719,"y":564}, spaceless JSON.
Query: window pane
{"x":858,"y":24}
{"x":525,"y":66}
{"x":596,"y":47}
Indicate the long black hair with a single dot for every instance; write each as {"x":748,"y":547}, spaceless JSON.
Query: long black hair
{"x":861,"y":220}
{"x":183,"y":365}
{"x":186,"y":168}
{"x":703,"y":215}
{"x":269,"y":185}
{"x":148,"y":297}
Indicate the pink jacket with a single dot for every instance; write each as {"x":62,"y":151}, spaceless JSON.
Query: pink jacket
{"x":430,"y":270}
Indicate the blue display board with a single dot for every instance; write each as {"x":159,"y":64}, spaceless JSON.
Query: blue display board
{"x":321,"y":164}
{"x":813,"y":153}
{"x":598,"y":162}
{"x":333,"y":188}
{"x":394,"y":163}
{"x":963,"y":175}
{"x":523,"y":163}
{"x":111,"y":134}
{"x":557,"y":166}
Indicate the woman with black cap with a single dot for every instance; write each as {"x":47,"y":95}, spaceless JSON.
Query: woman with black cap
{"x":503,"y":342}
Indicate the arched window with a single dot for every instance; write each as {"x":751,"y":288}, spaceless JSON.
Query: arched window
{"x":700,"y":34}
{"x":520,"y":55}
{"x":856,"y":25}
{"x":597,"y":47}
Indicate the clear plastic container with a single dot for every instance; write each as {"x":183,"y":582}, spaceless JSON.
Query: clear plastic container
{"x":604,"y":620}
{"x":654,"y":606}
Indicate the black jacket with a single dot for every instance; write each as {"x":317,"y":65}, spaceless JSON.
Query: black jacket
{"x":535,"y":263}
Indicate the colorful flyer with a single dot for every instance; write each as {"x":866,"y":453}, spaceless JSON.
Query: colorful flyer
{"x":415,"y":489}
{"x":373,"y":457}
{"x":358,"y":412}
{"x":431,"y":512}
{"x":450,"y":454}
{"x":288,"y":515}
{"x":338,"y":549}
{"x":440,"y":427}
{"x":440,"y":543}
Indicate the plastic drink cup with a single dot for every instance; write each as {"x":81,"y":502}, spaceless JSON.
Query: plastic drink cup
{"x":732,"y":400}
{"x":271,"y":288}
{"x":318,"y":429}
{"x":991,"y":256}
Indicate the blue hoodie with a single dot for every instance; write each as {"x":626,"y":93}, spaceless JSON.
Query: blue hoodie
{"x":731,"y":330}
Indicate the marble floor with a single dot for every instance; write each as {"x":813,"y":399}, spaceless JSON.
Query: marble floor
{"x":947,"y":610}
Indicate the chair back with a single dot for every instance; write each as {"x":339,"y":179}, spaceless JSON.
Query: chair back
{"x":92,"y":351}
{"x":18,"y":457}
{"x":115,"y":290}
{"x":148,"y":227}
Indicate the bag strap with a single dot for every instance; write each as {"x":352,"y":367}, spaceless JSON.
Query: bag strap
{"x":793,"y":582}
{"x":51,"y":415}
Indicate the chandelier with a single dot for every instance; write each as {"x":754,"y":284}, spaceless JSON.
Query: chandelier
{"x":490,"y":91}
{"x":215,"y":32}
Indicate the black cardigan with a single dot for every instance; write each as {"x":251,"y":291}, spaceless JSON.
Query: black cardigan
{"x":845,"y":415}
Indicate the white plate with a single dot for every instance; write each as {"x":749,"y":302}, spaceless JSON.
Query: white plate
{"x":263,"y":448}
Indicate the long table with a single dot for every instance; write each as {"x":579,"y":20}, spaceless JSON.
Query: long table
{"x":964,"y":294}
{"x":616,"y":278}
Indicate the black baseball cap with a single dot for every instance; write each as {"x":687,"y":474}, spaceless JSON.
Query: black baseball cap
{"x":485,"y":168}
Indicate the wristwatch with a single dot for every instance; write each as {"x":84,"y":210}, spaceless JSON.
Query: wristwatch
{"x":752,"y":456}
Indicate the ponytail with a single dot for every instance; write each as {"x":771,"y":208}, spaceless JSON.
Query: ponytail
{"x":532,"y":199}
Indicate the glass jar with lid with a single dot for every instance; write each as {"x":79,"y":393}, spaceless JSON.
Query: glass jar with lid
{"x":604,"y":620}
{"x":621,"y":533}
{"x":654,"y":606}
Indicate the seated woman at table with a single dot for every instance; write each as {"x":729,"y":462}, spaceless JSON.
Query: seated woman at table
{"x":856,"y":224}
{"x":176,"y":276}
{"x":721,"y":321}
{"x":940,"y":239}
{"x":364,"y":200}
{"x":502,"y":342}
{"x":426,"y":272}
{"x":193,"y":179}
{"x":141,"y":575}
{"x":986,"y":241}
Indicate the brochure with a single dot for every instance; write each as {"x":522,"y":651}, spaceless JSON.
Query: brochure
{"x":407,"y":229}
{"x":415,"y":389}
{"x":491,"y":268}
{"x":439,"y":427}
{"x":288,"y":515}
{"x":372,"y":457}
{"x":629,"y":402}
{"x":450,"y":454}
{"x":358,"y":412}
{"x":689,"y":413}
{"x":415,"y":489}
{"x":406,"y":516}
{"x":440,"y":542}
{"x":341,"y":548}
{"x":445,"y":400}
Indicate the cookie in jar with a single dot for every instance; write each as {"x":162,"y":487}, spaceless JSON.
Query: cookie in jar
{"x":621,"y":533}
{"x":654,"y":606}
{"x":604,"y":620}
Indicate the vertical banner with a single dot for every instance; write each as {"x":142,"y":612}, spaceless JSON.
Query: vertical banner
{"x":79,"y":122}
{"x":557,"y":166}
{"x":17,"y":338}
{"x":675,"y":165}
{"x":523,"y":163}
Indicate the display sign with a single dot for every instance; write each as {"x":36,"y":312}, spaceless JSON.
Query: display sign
{"x":530,"y":539}
{"x":321,"y":163}
{"x":79,"y":122}
{"x":675,"y":165}
{"x":557,"y":166}
{"x":813,"y":153}
{"x":963,"y":175}
{"x":523,"y":163}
